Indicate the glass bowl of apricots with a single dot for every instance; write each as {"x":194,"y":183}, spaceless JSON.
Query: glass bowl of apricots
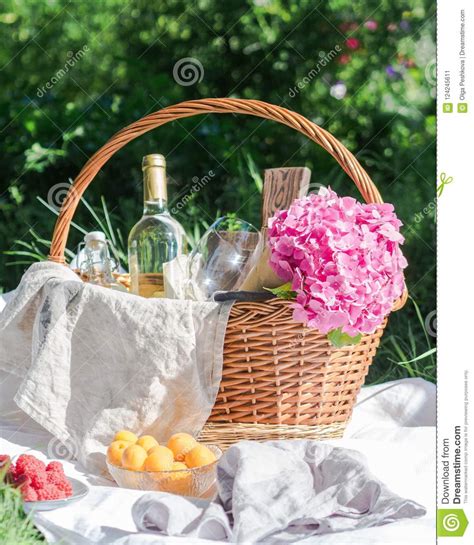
{"x":182,"y":466}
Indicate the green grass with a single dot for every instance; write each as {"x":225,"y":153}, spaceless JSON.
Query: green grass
{"x":16,"y":528}
{"x":407,"y":349}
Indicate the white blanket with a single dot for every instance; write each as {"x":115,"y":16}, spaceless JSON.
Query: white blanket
{"x":90,"y":361}
{"x":393,"y":426}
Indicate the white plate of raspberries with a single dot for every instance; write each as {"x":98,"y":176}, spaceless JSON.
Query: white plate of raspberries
{"x":43,"y":486}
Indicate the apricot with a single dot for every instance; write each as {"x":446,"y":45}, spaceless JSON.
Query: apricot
{"x":115,"y":451}
{"x":176,"y":466}
{"x":134,"y":457}
{"x":181,"y":444}
{"x":147,"y":442}
{"x":177,"y":481}
{"x":125,"y":435}
{"x":199,"y":456}
{"x":160,"y":459}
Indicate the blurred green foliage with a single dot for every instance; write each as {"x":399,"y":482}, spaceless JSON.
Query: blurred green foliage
{"x":375,"y":95}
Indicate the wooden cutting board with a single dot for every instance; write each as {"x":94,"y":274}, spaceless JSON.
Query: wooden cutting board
{"x":281,"y":187}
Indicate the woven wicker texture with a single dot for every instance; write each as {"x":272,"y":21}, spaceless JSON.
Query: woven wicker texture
{"x":279,"y":378}
{"x":278,"y":372}
{"x":226,"y":435}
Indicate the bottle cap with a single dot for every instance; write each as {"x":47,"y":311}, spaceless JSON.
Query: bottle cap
{"x":95,"y":235}
{"x":154,"y":160}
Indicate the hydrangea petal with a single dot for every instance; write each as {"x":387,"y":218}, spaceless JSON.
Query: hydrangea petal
{"x":343,"y":258}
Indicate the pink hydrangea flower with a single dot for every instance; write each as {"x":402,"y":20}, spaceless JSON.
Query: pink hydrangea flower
{"x":343,"y":259}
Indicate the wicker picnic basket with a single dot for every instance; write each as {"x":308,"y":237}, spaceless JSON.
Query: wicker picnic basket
{"x":280,"y":379}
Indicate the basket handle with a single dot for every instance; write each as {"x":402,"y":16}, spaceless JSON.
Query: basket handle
{"x":199,"y":107}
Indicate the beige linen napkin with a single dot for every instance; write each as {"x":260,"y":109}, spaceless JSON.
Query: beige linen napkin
{"x":277,"y":493}
{"x":95,"y":360}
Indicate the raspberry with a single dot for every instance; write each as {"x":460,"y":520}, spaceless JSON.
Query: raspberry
{"x":35,"y":480}
{"x":23,"y":480}
{"x":50,"y":492}
{"x":60,"y":482}
{"x":29,"y":493}
{"x":23,"y":483}
{"x":4,"y":460}
{"x":56,"y":467}
{"x":38,"y":480}
{"x":27,"y":463}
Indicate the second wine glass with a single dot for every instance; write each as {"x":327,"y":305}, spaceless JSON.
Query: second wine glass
{"x":222,"y":258}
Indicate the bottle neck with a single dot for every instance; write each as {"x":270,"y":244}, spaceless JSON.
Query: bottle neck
{"x":150,"y":208}
{"x":154,"y":190}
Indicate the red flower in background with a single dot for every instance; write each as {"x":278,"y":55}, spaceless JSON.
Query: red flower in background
{"x":353,"y":43}
{"x":344,"y":58}
{"x":348,"y":26}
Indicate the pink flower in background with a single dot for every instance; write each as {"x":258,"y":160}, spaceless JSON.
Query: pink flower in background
{"x":343,"y":259}
{"x":344,"y":58}
{"x":371,"y":25}
{"x":353,"y":43}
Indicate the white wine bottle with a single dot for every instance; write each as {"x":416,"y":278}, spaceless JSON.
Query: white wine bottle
{"x":157,"y":238}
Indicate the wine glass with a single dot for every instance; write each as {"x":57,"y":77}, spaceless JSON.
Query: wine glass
{"x":222,"y":258}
